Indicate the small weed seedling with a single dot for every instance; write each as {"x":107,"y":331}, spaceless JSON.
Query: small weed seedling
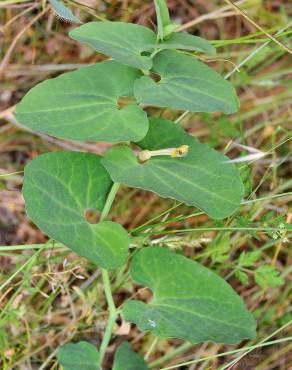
{"x":62,"y":190}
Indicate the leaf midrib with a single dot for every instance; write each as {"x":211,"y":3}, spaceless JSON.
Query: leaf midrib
{"x":176,"y":308}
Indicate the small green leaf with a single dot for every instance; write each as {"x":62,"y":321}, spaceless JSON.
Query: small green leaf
{"x":242,"y":276}
{"x":59,"y":189}
{"x":186,"y":84}
{"x":189,"y":301}
{"x":83,"y":105}
{"x":202,"y":178}
{"x":163,"y":19}
{"x":124,"y":42}
{"x":79,"y":356}
{"x":126,"y":359}
{"x":267,"y":276}
{"x":248,"y":259}
{"x":244,"y":221}
{"x":219,"y":250}
{"x":63,"y":12}
{"x":187,"y":42}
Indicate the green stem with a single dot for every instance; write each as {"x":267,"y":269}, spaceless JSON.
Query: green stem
{"x":109,"y":201}
{"x":201,"y":229}
{"x":113,"y":313}
{"x":170,"y":355}
{"x":261,"y":343}
{"x":32,"y":246}
{"x":12,"y":2}
{"x":27,"y":263}
{"x":251,"y":348}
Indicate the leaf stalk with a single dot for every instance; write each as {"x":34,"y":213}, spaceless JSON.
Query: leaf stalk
{"x":113,"y":313}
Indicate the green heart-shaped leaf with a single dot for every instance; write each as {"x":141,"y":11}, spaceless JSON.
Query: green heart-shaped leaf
{"x":185,"y":41}
{"x":189,"y":301}
{"x":124,"y":42}
{"x":202,"y":178}
{"x":59,"y":190}
{"x":126,"y":359}
{"x":79,"y":356}
{"x":186,"y":84}
{"x":83,"y":105}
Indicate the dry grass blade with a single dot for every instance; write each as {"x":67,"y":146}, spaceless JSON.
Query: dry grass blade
{"x":5,"y":60}
{"x":245,"y":15}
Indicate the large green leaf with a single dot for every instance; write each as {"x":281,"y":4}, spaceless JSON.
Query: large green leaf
{"x":83,"y":105}
{"x":79,"y":356}
{"x":59,"y":189}
{"x":202,"y":178}
{"x":124,"y":42}
{"x":187,"y":42}
{"x":126,"y":359}
{"x":189,"y":301}
{"x":186,"y":84}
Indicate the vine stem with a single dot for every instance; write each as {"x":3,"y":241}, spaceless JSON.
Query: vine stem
{"x":109,"y":201}
{"x":113,"y":312}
